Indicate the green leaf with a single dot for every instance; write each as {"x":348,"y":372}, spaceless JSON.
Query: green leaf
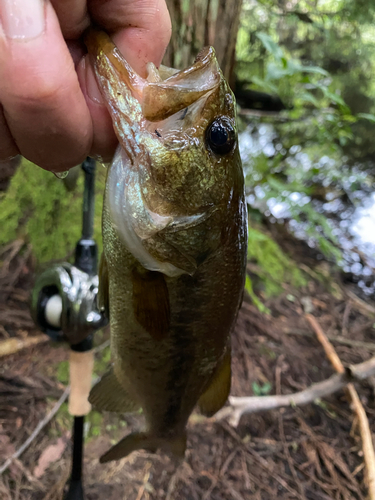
{"x":258,"y":304}
{"x":315,"y":70}
{"x":261,"y":390}
{"x":367,"y":116}
{"x":263,"y":84}
{"x":270,"y":45}
{"x":307,"y":97}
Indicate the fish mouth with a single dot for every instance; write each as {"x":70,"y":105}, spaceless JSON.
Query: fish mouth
{"x":164,"y":92}
{"x":162,"y":99}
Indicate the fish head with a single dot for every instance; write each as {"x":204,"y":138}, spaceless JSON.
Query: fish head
{"x":194,"y":154}
{"x":178,"y":157}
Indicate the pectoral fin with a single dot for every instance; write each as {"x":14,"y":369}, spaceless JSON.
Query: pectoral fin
{"x":143,"y":441}
{"x":169,"y":255}
{"x":218,"y":390}
{"x":109,"y":395}
{"x":151,"y":302}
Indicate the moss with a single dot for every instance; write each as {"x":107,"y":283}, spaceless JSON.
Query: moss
{"x":103,"y":362}
{"x":63,"y":372}
{"x":274,"y":267}
{"x":39,"y":209}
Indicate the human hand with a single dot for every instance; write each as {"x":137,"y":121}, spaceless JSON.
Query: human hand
{"x":51,"y":110}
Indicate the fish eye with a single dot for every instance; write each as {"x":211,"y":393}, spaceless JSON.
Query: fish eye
{"x":221,"y":136}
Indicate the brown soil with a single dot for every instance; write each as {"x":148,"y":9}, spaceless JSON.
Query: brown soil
{"x":310,"y":453}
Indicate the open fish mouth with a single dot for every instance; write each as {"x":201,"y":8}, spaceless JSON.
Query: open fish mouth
{"x":165,"y":91}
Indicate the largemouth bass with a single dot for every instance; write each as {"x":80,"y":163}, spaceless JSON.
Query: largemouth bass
{"x":175,"y":242}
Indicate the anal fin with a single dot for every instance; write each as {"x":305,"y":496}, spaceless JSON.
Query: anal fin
{"x":218,"y":390}
{"x":144,"y":441}
{"x":109,"y":395}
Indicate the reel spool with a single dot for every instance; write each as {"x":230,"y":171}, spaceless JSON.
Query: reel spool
{"x":63,"y":303}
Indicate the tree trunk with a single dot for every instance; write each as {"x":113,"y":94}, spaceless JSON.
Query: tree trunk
{"x":196,"y":23}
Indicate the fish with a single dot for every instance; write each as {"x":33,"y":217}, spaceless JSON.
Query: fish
{"x":174,"y":226}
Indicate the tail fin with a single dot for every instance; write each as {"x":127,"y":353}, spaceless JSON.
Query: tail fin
{"x":143,"y":441}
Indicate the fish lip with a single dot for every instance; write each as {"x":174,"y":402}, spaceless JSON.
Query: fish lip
{"x":130,"y":97}
{"x":160,"y":100}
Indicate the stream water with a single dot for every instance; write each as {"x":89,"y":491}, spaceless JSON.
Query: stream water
{"x":348,"y":200}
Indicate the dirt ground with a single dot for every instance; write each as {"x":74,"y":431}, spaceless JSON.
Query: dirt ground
{"x":313,"y":452}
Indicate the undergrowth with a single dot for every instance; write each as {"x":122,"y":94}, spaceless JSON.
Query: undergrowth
{"x":38,"y":209}
{"x":273,"y":267}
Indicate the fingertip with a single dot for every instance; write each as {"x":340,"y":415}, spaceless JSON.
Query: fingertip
{"x":141,"y":28}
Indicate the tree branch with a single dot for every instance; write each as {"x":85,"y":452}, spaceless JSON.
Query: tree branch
{"x":240,"y":406}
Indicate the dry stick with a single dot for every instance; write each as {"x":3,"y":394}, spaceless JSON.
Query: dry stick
{"x":370,"y":346}
{"x":37,"y":430}
{"x":13,"y":345}
{"x":243,"y":405}
{"x":361,"y":305}
{"x":367,"y":445}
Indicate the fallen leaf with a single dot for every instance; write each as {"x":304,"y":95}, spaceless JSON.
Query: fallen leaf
{"x":51,"y":454}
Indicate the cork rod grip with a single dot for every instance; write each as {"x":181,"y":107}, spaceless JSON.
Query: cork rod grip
{"x":81,"y":369}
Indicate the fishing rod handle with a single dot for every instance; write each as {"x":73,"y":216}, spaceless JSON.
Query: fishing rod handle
{"x":81,"y":369}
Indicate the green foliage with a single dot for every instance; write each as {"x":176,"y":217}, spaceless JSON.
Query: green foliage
{"x":38,"y":208}
{"x":63,"y":372}
{"x":93,"y":423}
{"x":274,"y":267}
{"x":261,"y":390}
{"x":258,"y":303}
{"x":319,"y":58}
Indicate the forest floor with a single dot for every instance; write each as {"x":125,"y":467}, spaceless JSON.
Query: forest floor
{"x":312,"y":452}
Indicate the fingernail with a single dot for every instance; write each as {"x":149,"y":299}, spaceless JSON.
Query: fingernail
{"x":22,"y":19}
{"x":91,"y":86}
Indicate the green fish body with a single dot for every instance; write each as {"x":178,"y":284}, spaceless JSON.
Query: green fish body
{"x":175,"y":244}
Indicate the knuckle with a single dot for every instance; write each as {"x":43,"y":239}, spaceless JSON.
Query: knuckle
{"x":41,"y":93}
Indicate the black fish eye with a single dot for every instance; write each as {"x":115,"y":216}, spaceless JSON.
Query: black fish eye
{"x":221,"y":136}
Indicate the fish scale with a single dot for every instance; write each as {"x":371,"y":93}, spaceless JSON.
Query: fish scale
{"x":174,"y":244}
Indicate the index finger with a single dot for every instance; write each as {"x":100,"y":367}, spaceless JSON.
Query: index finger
{"x":141,"y":29}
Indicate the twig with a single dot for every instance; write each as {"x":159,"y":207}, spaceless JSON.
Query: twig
{"x":15,"y":247}
{"x":145,"y":481}
{"x":36,"y":431}
{"x":362,"y":306}
{"x":367,"y":445}
{"x":16,"y":274}
{"x":240,"y":406}
{"x":328,"y":347}
{"x":370,"y":346}
{"x":13,"y":345}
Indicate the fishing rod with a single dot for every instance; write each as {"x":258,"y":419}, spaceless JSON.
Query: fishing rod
{"x":63,"y":305}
